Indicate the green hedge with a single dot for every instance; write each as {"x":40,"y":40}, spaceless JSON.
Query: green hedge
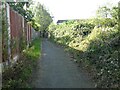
{"x":97,"y":49}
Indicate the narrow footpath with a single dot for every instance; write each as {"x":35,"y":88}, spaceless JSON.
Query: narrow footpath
{"x":55,"y":69}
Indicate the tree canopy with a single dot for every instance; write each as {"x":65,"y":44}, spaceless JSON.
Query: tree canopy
{"x":37,"y":15}
{"x":41,"y":16}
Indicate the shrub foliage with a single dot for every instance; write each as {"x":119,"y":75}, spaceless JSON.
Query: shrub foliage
{"x":96,"y":47}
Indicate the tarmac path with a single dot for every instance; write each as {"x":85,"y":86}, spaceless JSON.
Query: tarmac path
{"x":55,"y":69}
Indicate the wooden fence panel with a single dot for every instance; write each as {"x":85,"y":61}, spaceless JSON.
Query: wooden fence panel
{"x":19,"y":30}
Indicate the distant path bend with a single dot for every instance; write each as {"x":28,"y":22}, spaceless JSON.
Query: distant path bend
{"x":56,"y":70}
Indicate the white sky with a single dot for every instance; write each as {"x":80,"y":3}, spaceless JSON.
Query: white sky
{"x":74,"y":9}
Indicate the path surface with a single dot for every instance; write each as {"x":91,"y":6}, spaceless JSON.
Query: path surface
{"x":56,"y":70}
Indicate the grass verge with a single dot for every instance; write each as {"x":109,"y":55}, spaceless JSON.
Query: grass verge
{"x":17,"y":76}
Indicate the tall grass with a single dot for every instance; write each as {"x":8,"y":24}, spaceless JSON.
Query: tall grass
{"x":18,"y":76}
{"x":33,"y":52}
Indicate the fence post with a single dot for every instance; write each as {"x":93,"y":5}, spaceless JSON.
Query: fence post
{"x":9,"y":33}
{"x":0,"y":45}
{"x":0,"y":34}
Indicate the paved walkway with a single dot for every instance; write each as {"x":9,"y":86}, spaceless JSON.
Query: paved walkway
{"x":56,"y":70}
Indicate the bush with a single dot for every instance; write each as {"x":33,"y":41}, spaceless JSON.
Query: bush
{"x":18,"y":75}
{"x":97,"y":49}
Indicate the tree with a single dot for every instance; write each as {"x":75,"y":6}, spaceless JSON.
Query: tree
{"x":107,"y":16}
{"x":103,"y":12}
{"x":41,"y":16}
{"x":37,"y":15}
{"x":19,"y":7}
{"x":114,"y":14}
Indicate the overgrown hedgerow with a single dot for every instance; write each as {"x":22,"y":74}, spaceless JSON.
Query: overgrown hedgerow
{"x":98,"y":49}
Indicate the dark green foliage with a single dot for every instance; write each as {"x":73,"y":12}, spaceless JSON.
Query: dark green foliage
{"x":97,"y":49}
{"x":18,"y":75}
{"x":38,"y":16}
{"x":102,"y":52}
{"x":4,"y":34}
{"x":19,"y":7}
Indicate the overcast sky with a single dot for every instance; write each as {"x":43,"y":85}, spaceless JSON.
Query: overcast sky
{"x":74,"y":9}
